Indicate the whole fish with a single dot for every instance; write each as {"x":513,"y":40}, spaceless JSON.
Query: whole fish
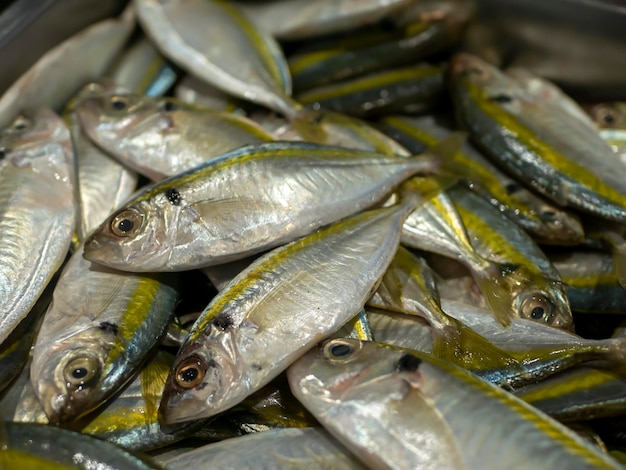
{"x":59,"y":74}
{"x":281,"y":448}
{"x":161,"y":137}
{"x":544,"y":220}
{"x":98,"y":331}
{"x":216,"y":43}
{"x":396,"y":408}
{"x":37,"y":209}
{"x":39,"y":446}
{"x":245,"y":202}
{"x":276,"y":309}
{"x":555,"y":153}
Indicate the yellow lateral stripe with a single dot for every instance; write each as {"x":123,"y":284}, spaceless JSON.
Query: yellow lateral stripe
{"x":303,"y":62}
{"x":545,"y":426}
{"x":588,"y":382}
{"x":259,"y":43}
{"x":269,"y":265}
{"x":137,"y":310}
{"x":13,"y":458}
{"x":590,"y":281}
{"x":557,"y":160}
{"x":369,"y":82}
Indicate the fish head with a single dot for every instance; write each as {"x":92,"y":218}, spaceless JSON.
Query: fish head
{"x":471,"y":76}
{"x":540,"y":299}
{"x":342,"y":366}
{"x":131,"y":239}
{"x":558,"y":226}
{"x":68,"y":379}
{"x":206,"y":379}
{"x":109,"y":117}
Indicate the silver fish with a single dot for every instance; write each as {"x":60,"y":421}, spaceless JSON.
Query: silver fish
{"x":37,"y":209}
{"x":276,"y":309}
{"x":245,"y":202}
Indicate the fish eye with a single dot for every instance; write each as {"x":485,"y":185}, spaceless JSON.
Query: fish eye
{"x":606,"y":116}
{"x":190,"y":372}
{"x":169,"y":105}
{"x":126,"y":223}
{"x":539,"y":308}
{"x":81,"y":370}
{"x":20,"y":123}
{"x":339,"y":350}
{"x":119,"y":103}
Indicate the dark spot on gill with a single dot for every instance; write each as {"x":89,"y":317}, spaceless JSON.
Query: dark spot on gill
{"x":549,"y":214}
{"x":501,"y":98}
{"x":508,"y":268}
{"x":408,"y":363}
{"x":3,"y":153}
{"x":512,"y":187}
{"x":108,"y":327}
{"x":173,"y":196}
{"x":169,"y":106}
{"x":222,"y":321}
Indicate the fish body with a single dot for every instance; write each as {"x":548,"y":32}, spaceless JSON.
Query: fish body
{"x":401,"y":409}
{"x":37,"y":210}
{"x":160,"y":137}
{"x":98,"y":331}
{"x":276,"y":309}
{"x":245,"y":202}
{"x":540,"y":144}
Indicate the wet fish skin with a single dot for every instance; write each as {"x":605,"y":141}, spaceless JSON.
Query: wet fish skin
{"x":544,"y":220}
{"x":37,"y":184}
{"x":290,"y":448}
{"x":555,"y":153}
{"x":98,"y":331}
{"x":161,"y":137}
{"x":410,"y":89}
{"x":360,"y":391}
{"x":279,"y":190}
{"x":217,"y":44}
{"x":41,"y":446}
{"x":276,"y":309}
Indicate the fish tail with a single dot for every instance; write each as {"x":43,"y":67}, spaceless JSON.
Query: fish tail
{"x":490,"y":282}
{"x":308,"y":123}
{"x":459,"y":344}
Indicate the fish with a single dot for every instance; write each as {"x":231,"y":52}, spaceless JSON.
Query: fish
{"x":61,"y":71}
{"x":162,"y":137}
{"x":278,"y":308}
{"x":582,"y":393}
{"x":413,"y":89}
{"x":99,"y":329}
{"x":289,"y":448}
{"x":143,"y":70}
{"x":591,"y":281}
{"x":422,"y":30}
{"x":279,"y":191}
{"x":540,"y":144}
{"x":542,"y":219}
{"x":37,"y":207}
{"x":215,"y":42}
{"x":27,"y":445}
{"x":396,"y":405}
{"x":302,"y":19}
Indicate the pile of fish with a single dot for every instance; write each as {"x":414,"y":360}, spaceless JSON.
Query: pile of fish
{"x":363,"y":246}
